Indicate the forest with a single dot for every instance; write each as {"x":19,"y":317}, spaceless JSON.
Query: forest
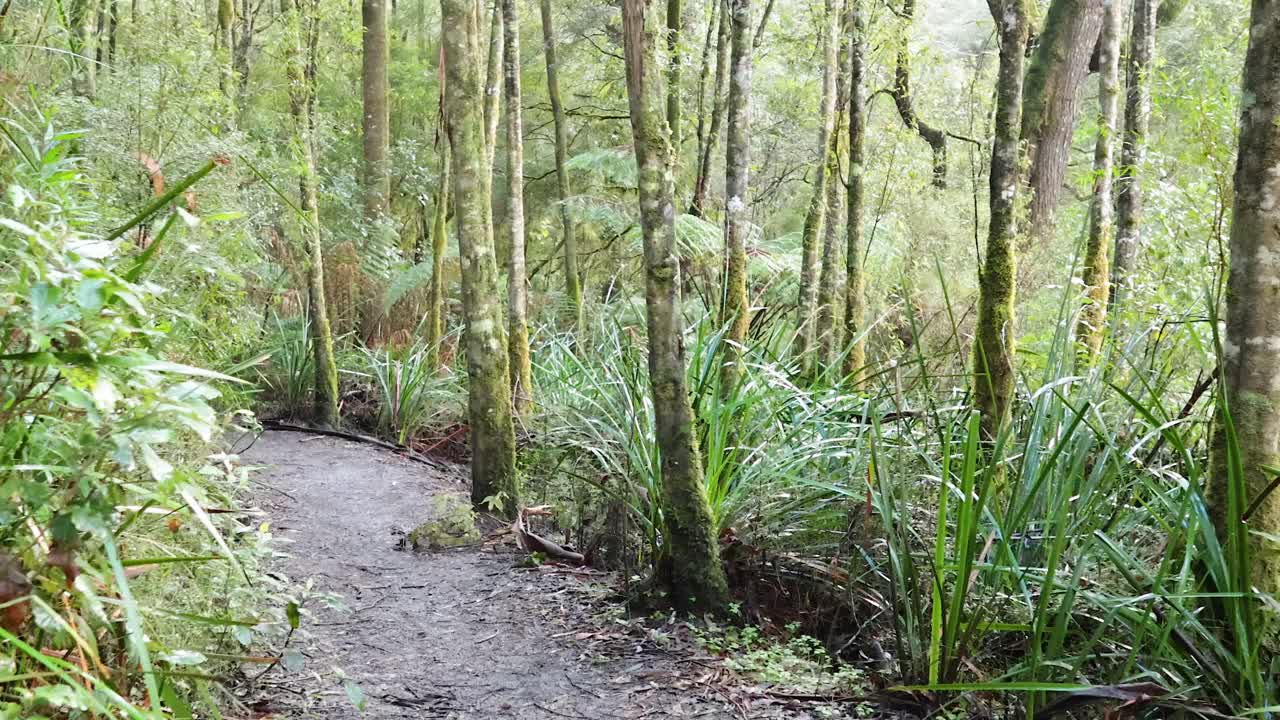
{"x":636,"y":359}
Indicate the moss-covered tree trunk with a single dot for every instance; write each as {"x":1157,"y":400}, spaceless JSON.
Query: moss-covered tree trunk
{"x":707,"y":148}
{"x":517,"y":291}
{"x":829,"y":325}
{"x":1251,"y":346}
{"x":1050,"y":99}
{"x":993,"y":342}
{"x":492,"y":439}
{"x":572,"y":280}
{"x":1133,"y":151}
{"x":84,"y":73}
{"x":222,"y":45}
{"x":693,"y":574}
{"x":435,"y":324}
{"x":810,"y":260}
{"x":377,"y":118}
{"x":492,"y":88}
{"x":675,"y":61}
{"x":904,"y":100}
{"x":736,"y":311}
{"x":1097,"y":257}
{"x":855,"y":301}
{"x":301,"y":106}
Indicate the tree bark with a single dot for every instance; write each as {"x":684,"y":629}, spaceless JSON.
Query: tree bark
{"x":517,"y":291}
{"x":692,"y":569}
{"x":993,"y":343}
{"x":493,"y":471}
{"x":736,"y":311}
{"x":300,"y":108}
{"x":84,"y":74}
{"x":223,"y":46}
{"x":807,"y":303}
{"x":675,"y":61}
{"x":377,"y":119}
{"x":855,"y":303}
{"x":492,"y":88}
{"x":702,"y":182}
{"x":439,"y":241}
{"x":1049,"y":106}
{"x":1133,"y":150}
{"x":829,"y":327}
{"x":1097,"y":258}
{"x":903,"y":100}
{"x":1251,"y":345}
{"x":572,"y":280}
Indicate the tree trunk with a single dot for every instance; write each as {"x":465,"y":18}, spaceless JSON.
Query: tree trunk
{"x":675,"y":60}
{"x":1097,"y":258}
{"x":1251,"y":346}
{"x":377,"y":119}
{"x":713,"y":20}
{"x":84,"y":74}
{"x":493,"y":471}
{"x":113,"y":21}
{"x":492,"y":88}
{"x":439,"y":242}
{"x":517,"y":291}
{"x":1133,"y":151}
{"x":807,"y":303}
{"x":692,"y":570}
{"x":702,"y":181}
{"x":903,"y":100}
{"x":737,"y":169}
{"x":828,"y":328}
{"x":242,"y":44}
{"x":855,"y":303}
{"x":993,"y":345}
{"x":300,"y":108}
{"x":223,"y":46}
{"x":1050,"y":96}
{"x":572,"y":281}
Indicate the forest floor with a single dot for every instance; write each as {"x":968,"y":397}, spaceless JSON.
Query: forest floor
{"x":466,"y":632}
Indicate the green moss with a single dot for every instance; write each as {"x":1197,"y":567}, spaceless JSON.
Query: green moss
{"x":452,"y":523}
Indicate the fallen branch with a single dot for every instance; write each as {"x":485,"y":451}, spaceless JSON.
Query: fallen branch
{"x":356,"y":437}
{"x":530,"y":542}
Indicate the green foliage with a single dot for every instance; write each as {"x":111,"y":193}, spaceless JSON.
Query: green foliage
{"x":413,"y":391}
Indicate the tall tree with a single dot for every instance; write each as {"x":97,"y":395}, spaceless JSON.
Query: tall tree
{"x":993,"y":342}
{"x":301,"y":106}
{"x":1050,"y":98}
{"x":675,"y":61}
{"x":377,"y":118}
{"x":829,"y":328}
{"x":493,"y":441}
{"x":810,"y":263}
{"x":737,"y":169}
{"x":492,"y":86}
{"x":707,"y":143}
{"x":1097,"y":257}
{"x":693,"y":572}
{"x":572,"y":281}
{"x":1133,"y":150}
{"x":84,"y":74}
{"x":855,"y":302}
{"x":517,"y":290}
{"x":1251,"y":346}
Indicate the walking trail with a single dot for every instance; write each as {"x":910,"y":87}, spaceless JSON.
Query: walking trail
{"x":460,"y":633}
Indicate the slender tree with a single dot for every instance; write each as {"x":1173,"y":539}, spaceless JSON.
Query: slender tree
{"x":517,"y":290}
{"x":1049,"y":105}
{"x":829,"y":327}
{"x":301,"y":107}
{"x":435,"y":323}
{"x":493,"y":443}
{"x":572,"y":280}
{"x":1133,"y":150}
{"x":492,"y":87}
{"x":84,"y":74}
{"x":675,"y":61}
{"x":807,"y":303}
{"x":377,"y":119}
{"x":1097,"y":258}
{"x":904,"y":100}
{"x":855,"y":302}
{"x":737,"y":169}
{"x":693,"y":572}
{"x":223,"y":45}
{"x":1251,"y":345}
{"x":993,"y":343}
{"x":702,"y":182}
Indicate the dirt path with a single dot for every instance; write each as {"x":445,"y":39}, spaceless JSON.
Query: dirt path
{"x":462,"y":633}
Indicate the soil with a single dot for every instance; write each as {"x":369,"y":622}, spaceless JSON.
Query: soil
{"x":469,"y":632}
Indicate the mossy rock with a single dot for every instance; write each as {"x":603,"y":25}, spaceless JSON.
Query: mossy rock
{"x":452,"y":524}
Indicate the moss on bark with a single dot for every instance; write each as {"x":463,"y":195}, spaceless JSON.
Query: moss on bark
{"x":736,"y":310}
{"x":855,"y":282}
{"x":517,"y":292}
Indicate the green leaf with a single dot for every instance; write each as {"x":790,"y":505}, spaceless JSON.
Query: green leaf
{"x":355,"y":694}
{"x":292,"y":612}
